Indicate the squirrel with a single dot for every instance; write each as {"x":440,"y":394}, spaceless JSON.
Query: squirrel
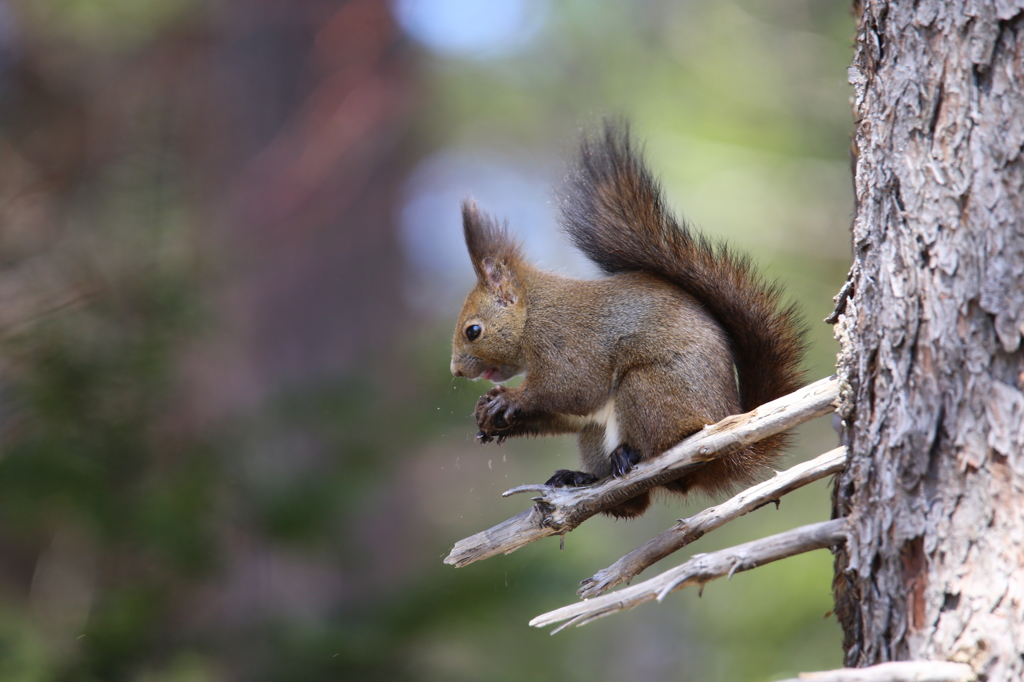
{"x":682,"y":332}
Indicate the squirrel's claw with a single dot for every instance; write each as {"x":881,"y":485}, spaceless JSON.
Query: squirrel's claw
{"x":485,"y":438}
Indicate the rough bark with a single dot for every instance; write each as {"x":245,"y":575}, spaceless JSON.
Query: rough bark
{"x":932,"y":361}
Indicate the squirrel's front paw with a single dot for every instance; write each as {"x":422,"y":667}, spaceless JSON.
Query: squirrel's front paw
{"x":494,"y":415}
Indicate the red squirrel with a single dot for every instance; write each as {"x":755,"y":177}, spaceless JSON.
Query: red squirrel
{"x":681,"y":333}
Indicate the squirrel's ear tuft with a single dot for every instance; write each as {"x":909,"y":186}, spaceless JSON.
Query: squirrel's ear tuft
{"x":494,"y":253}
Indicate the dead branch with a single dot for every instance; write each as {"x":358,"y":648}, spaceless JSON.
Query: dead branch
{"x":896,"y":671}
{"x":559,"y":510}
{"x":701,"y":569}
{"x":690,"y":529}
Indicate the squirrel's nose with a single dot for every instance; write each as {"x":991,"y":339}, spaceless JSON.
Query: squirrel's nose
{"x":455,"y":369}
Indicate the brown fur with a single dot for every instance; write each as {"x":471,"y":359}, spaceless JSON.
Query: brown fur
{"x":655,"y":343}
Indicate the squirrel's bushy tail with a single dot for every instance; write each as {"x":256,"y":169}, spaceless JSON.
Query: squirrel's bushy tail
{"x":614,"y":211}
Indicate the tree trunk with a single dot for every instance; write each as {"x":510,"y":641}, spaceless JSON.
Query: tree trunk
{"x":932,"y":365}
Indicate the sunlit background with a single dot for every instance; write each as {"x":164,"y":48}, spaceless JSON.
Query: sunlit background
{"x":230,"y":260}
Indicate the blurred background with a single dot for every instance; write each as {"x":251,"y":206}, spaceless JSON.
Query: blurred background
{"x":230,"y":261}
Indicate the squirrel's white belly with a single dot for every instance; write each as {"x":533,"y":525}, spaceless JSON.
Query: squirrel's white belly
{"x":606,"y":418}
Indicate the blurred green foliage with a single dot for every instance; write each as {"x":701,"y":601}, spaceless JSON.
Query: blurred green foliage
{"x":111,"y":25}
{"x":94,"y":466}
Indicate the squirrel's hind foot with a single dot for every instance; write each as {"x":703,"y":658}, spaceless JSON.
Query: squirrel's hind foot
{"x":623,"y":459}
{"x":566,"y":478}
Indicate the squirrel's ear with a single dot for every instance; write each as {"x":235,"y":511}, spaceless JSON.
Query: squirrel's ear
{"x":500,"y":281}
{"x":494,"y":253}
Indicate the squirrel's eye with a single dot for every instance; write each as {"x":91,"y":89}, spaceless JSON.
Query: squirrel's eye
{"x":473,"y":332}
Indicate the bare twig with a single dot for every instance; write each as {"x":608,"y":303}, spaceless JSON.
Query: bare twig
{"x":701,"y":569}
{"x":559,"y":510}
{"x":692,"y":528}
{"x":896,"y":671}
{"x":844,"y":294}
